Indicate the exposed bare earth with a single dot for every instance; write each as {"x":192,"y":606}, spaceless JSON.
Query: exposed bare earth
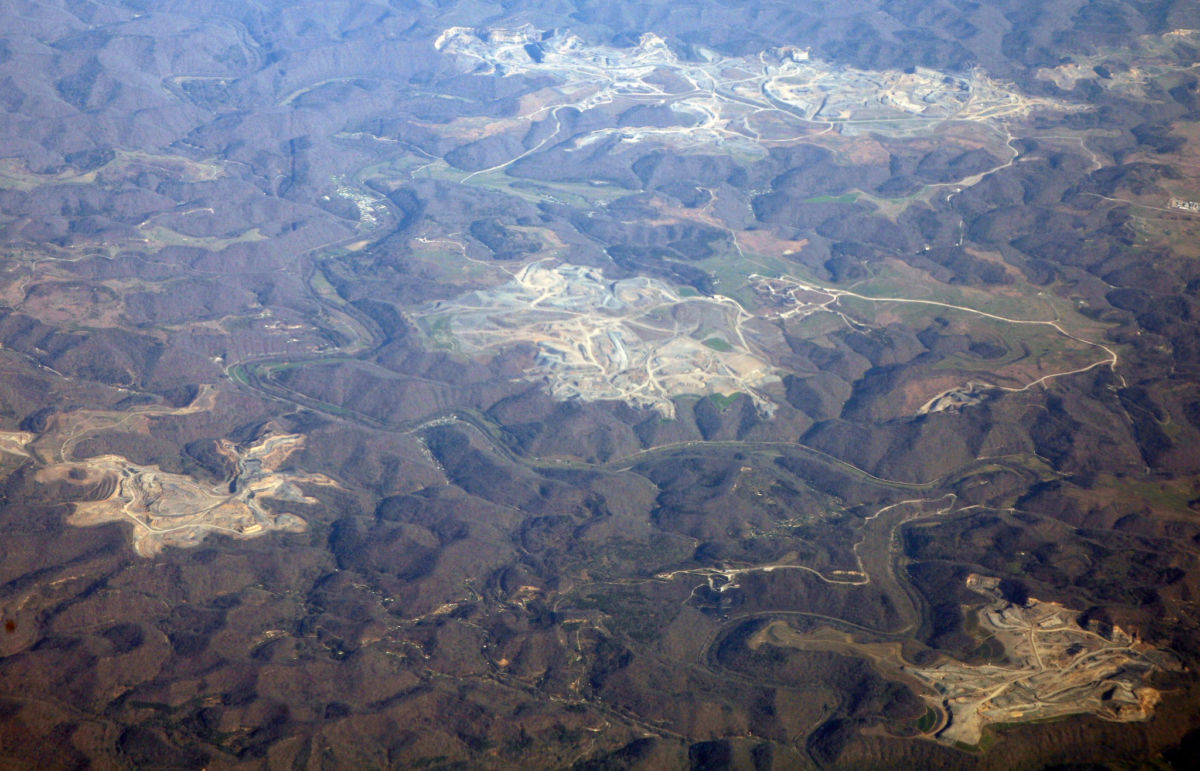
{"x":1051,"y":667}
{"x":635,"y":340}
{"x":750,"y":98}
{"x":1054,"y":667}
{"x":168,"y":509}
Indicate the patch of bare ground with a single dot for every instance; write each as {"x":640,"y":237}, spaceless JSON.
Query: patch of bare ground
{"x":1049,"y":667}
{"x":170,"y":509}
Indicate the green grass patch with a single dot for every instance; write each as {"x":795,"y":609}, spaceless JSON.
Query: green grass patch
{"x":437,"y":328}
{"x":1172,"y":496}
{"x":927,"y":721}
{"x":1018,"y":300}
{"x":1041,"y":348}
{"x":164,"y":236}
{"x":270,"y":370}
{"x":717,"y":344}
{"x":569,"y":193}
{"x":722,"y":401}
{"x":320,"y":284}
{"x":844,"y":198}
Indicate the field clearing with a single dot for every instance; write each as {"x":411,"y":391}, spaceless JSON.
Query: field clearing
{"x":1032,"y":351}
{"x":1171,"y":498}
{"x":577,"y":194}
{"x":158,"y":236}
{"x":1017,"y":301}
{"x":16,"y":175}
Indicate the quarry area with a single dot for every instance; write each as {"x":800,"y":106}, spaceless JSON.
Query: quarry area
{"x":1042,"y":665}
{"x":635,"y":340}
{"x":170,"y":509}
{"x":748,"y":98}
{"x":1051,"y":667}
